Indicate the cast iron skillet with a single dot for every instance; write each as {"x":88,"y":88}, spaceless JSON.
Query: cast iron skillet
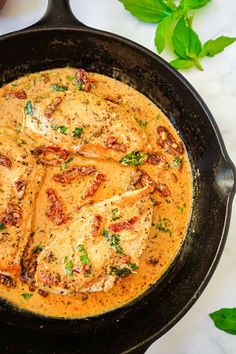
{"x":57,"y":40}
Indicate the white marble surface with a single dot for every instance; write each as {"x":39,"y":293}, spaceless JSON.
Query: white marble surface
{"x":194,"y":334}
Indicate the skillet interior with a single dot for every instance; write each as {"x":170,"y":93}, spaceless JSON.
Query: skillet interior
{"x":140,"y":323}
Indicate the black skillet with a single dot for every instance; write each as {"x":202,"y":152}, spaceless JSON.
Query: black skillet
{"x":58,"y":40}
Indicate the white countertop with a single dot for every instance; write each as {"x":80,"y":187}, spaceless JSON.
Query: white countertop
{"x":195,"y":333}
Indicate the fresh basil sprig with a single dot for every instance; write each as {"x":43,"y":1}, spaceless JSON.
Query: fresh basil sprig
{"x":174,"y":19}
{"x":225,"y":319}
{"x":189,"y":48}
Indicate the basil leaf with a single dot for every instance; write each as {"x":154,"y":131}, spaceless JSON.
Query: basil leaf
{"x":192,"y":4}
{"x":68,"y":266}
{"x":147,"y":10}
{"x":215,"y":46}
{"x":59,"y":88}
{"x":37,"y":249}
{"x":163,"y":30}
{"x":65,"y":164}
{"x":62,"y":128}
{"x":83,"y":255}
{"x":114,"y":241}
{"x":134,"y":158}
{"x":120,"y":272}
{"x":185,"y":41}
{"x":171,"y":3}
{"x":28,"y":108}
{"x":133,"y":266}
{"x":225,"y":319}
{"x":77,"y":132}
{"x":178,"y":162}
{"x":27,"y":296}
{"x":2,"y":226}
{"x":70,"y":77}
{"x":115,"y":214}
{"x":142,"y":123}
{"x":182,"y":63}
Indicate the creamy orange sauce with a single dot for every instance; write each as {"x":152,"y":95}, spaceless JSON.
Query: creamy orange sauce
{"x":171,"y":213}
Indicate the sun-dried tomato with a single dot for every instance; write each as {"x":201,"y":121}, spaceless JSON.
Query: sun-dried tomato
{"x":50,"y":109}
{"x":98,"y":179}
{"x":73,"y":173}
{"x":55,"y":212}
{"x":123,"y":225}
{"x":12,"y":215}
{"x":5,"y":161}
{"x":112,"y":143}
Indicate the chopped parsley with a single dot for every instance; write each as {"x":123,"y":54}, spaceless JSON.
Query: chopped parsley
{"x":114,"y":241}
{"x":142,"y":123}
{"x":2,"y":226}
{"x":77,"y":132}
{"x":178,"y":162}
{"x":115,"y":214}
{"x":28,"y":108}
{"x":27,"y":296}
{"x":59,"y":88}
{"x":61,"y":128}
{"x":37,"y":249}
{"x":68,"y":266}
{"x":65,"y":164}
{"x":134,"y":158}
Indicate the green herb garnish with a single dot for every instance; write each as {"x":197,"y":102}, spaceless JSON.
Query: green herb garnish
{"x":134,"y":158}
{"x":181,"y":208}
{"x":68,"y":266}
{"x":175,"y":22}
{"x":81,"y":87}
{"x":120,"y":272}
{"x":2,"y":226}
{"x":163,"y":225}
{"x":28,"y":108}
{"x":105,"y":233}
{"x":133,"y":266}
{"x":65,"y":164}
{"x":115,"y":214}
{"x":83,"y":255}
{"x":178,"y":162}
{"x":59,"y":88}
{"x":27,"y":296}
{"x":142,"y":123}
{"x":114,"y":241}
{"x":77,"y":132}
{"x":70,"y":77}
{"x":225,"y":319}
{"x":37,"y":249}
{"x":61,"y":128}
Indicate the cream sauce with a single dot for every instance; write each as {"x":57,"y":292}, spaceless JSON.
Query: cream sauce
{"x":171,"y":213}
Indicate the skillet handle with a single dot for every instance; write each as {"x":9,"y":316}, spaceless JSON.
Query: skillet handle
{"x":58,"y":14}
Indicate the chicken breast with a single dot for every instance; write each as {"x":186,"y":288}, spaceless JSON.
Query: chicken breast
{"x":104,"y":242}
{"x":86,"y":124}
{"x":20,"y":179}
